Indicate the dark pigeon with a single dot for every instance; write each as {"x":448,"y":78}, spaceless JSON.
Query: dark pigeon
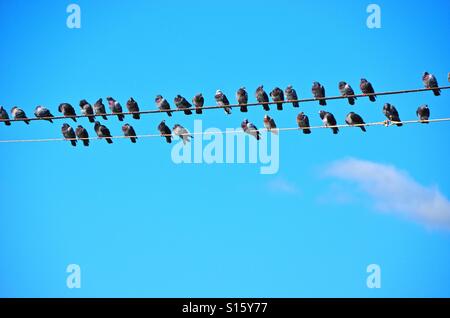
{"x":277,"y":96}
{"x":69,"y":134}
{"x":42,"y":112}
{"x":242,"y":99}
{"x":163,"y":104}
{"x":250,"y":129}
{"x":347,"y":90}
{"x":391,"y":113}
{"x":100,"y":109}
{"x":261,"y":97}
{"x":354,"y":119}
{"x":430,"y":81}
{"x":319,"y":92}
{"x":82,"y":135}
{"x":182,"y":103}
{"x":270,"y":125}
{"x":366,"y":88}
{"x":128,"y":131}
{"x":67,"y":110}
{"x":303,"y":123}
{"x":222,"y":100}
{"x":115,"y":108}
{"x":165,"y":131}
{"x":4,"y":115}
{"x":423,"y":112}
{"x":291,"y":94}
{"x":133,"y":107}
{"x":103,"y":132}
{"x":198,"y":102}
{"x":18,"y":113}
{"x":329,"y":120}
{"x":87,"y":110}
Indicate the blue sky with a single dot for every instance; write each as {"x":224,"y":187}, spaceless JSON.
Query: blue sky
{"x":141,"y":226}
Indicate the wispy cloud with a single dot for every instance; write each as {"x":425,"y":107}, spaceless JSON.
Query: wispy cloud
{"x":393,"y":190}
{"x":282,"y":185}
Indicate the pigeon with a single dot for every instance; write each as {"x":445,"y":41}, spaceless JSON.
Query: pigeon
{"x":366,"y":88}
{"x":347,"y":90}
{"x":42,"y":112}
{"x":198,"y":102}
{"x":354,"y":119}
{"x":430,"y":81}
{"x":102,"y":132}
{"x":67,"y":110}
{"x":128,"y":131}
{"x":82,"y":134}
{"x":329,"y":120}
{"x":133,"y":107}
{"x":4,"y":115}
{"x":69,"y":134}
{"x":100,"y":109}
{"x":423,"y":112}
{"x":303,"y":123}
{"x":270,"y":125}
{"x":182,"y":103}
{"x":391,"y":113}
{"x":291,"y":94}
{"x":18,"y":113}
{"x":162,"y":104}
{"x":261,"y":97}
{"x":165,"y":131}
{"x":250,"y":129}
{"x":222,"y":100}
{"x":319,"y":91}
{"x":277,"y":96}
{"x":115,"y":107}
{"x":87,"y":110}
{"x":242,"y":98}
{"x":182,"y":132}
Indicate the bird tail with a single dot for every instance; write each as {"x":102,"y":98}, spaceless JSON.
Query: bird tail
{"x":244,"y":109}
{"x":437,"y":92}
{"x":121,"y":117}
{"x":351,"y":101}
{"x":133,"y":140}
{"x":91,"y":119}
{"x":363,"y":128}
{"x":27,"y":122}
{"x":109,"y":140}
{"x":74,"y":119}
{"x":335,"y":130}
{"x":295,"y":104}
{"x":105,"y":117}
{"x":323,"y":102}
{"x":266,"y":107}
{"x":169,"y":139}
{"x":306,"y":131}
{"x":187,"y":112}
{"x":258,"y":137}
{"x":227,"y":110}
{"x":169,"y":114}
{"x":136,"y":116}
{"x":280,"y":106}
{"x":86,"y":142}
{"x":372,"y":98}
{"x":198,"y":111}
{"x":7,"y":123}
{"x":74,"y":143}
{"x":50,"y":120}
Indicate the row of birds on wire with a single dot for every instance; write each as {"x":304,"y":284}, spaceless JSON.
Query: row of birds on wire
{"x":328,"y":120}
{"x":277,"y":95}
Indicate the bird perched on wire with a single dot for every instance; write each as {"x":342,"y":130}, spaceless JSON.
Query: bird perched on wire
{"x":69,"y":134}
{"x":430,"y":81}
{"x":319,"y":92}
{"x":133,"y":107}
{"x":103,"y":132}
{"x":277,"y":96}
{"x":250,"y":129}
{"x":18,"y":113}
{"x":100,"y":109}
{"x":87,"y":110}
{"x":115,"y":107}
{"x":182,"y":132}
{"x":269,"y":124}
{"x":391,"y":113}
{"x":222,"y":100}
{"x":353,"y":119}
{"x":303,"y":123}
{"x":242,"y":98}
{"x":67,"y":110}
{"x":198,"y":102}
{"x":163,"y":104}
{"x":329,"y":120}
{"x":262,"y":97}
{"x":128,"y":131}
{"x":182,"y":103}
{"x":165,"y":131}
{"x":4,"y":115}
{"x":291,"y":94}
{"x":423,"y":112}
{"x":82,"y":135}
{"x":366,"y":88}
{"x":42,"y":112}
{"x":346,"y":90}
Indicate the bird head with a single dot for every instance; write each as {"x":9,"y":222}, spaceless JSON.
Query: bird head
{"x":342,"y":84}
{"x":158,"y":98}
{"x":363,"y":80}
{"x":65,"y":126}
{"x":322,"y":114}
{"x":219,"y":92}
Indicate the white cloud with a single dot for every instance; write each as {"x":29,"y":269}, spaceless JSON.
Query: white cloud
{"x":282,"y":185}
{"x":395,"y":191}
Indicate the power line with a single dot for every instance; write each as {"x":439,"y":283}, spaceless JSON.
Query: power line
{"x":305,"y":100}
{"x":386,"y":123}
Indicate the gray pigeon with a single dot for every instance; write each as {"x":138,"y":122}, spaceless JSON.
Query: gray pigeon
{"x":198,"y":102}
{"x":319,"y":92}
{"x":261,"y":97}
{"x":67,"y":110}
{"x":303,"y":123}
{"x":4,"y":115}
{"x":18,"y":113}
{"x":347,"y":90}
{"x":250,"y":129}
{"x":87,"y":110}
{"x":133,"y":107}
{"x":354,"y":119}
{"x":423,"y":112}
{"x":165,"y":131}
{"x":100,"y":109}
{"x":277,"y":96}
{"x":69,"y":134}
{"x":163,"y":104}
{"x":222,"y":100}
{"x":42,"y":112}
{"x":103,"y":132}
{"x":182,"y":132}
{"x":270,"y":125}
{"x":291,"y":94}
{"x":329,"y":120}
{"x":366,"y":88}
{"x":182,"y":103}
{"x":82,"y":135}
{"x":242,"y":98}
{"x":430,"y":81}
{"x":128,"y":131}
{"x":115,"y":107}
{"x":391,"y":113}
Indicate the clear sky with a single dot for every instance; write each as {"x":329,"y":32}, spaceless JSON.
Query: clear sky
{"x":140,"y":225}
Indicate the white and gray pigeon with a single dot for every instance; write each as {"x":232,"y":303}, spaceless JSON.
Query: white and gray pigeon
{"x":67,"y":110}
{"x":367,"y":88}
{"x":87,"y":110}
{"x":4,"y":115}
{"x":291,"y":94}
{"x":163,"y":104}
{"x":182,"y":132}
{"x":269,"y":124}
{"x":222,"y":100}
{"x":346,"y":90}
{"x":100,"y":109}
{"x":430,"y":81}
{"x":353,"y":119}
{"x":82,"y":135}
{"x":42,"y":112}
{"x":242,"y":99}
{"x":319,"y":92}
{"x":391,"y":113}
{"x":182,"y":103}
{"x":198,"y":102}
{"x":262,"y":97}
{"x":133,"y":107}
{"x":165,"y":131}
{"x":303,"y":123}
{"x":18,"y":113}
{"x":128,"y":131}
{"x":250,"y":129}
{"x":329,"y":120}
{"x":69,"y":134}
{"x":103,"y":132}
{"x":423,"y":112}
{"x":277,"y":96}
{"x":115,"y":107}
